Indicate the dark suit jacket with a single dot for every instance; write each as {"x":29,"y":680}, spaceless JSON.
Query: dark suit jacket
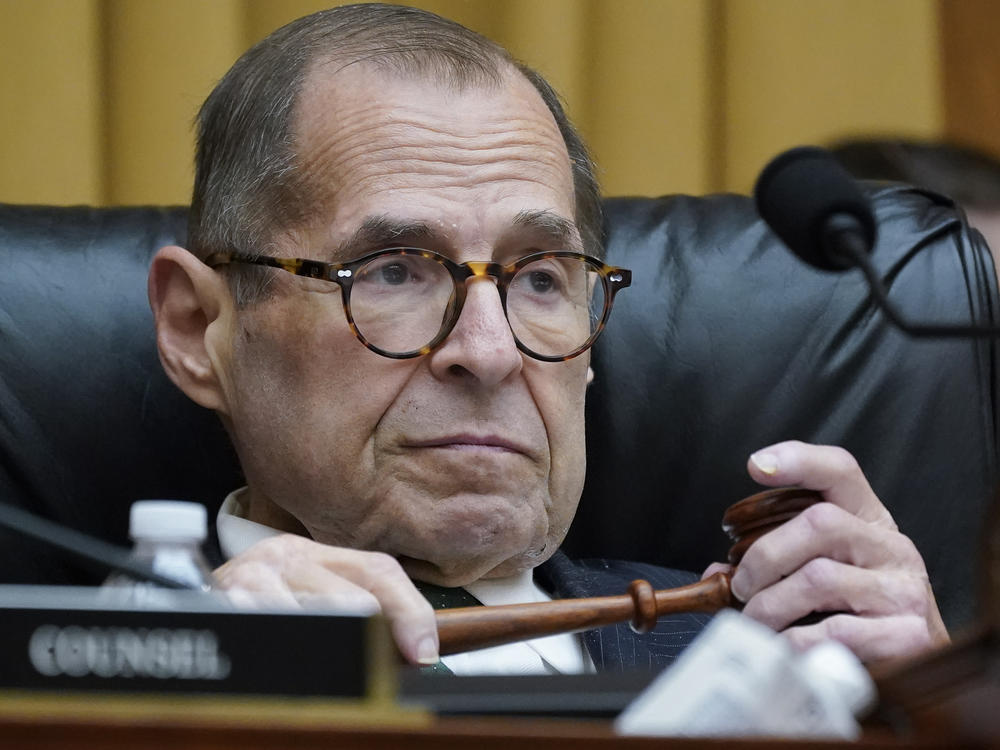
{"x":617,"y":647}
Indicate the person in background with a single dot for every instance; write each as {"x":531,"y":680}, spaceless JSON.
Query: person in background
{"x":969,"y":176}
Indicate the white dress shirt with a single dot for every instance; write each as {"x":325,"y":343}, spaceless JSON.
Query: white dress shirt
{"x":557,"y":654}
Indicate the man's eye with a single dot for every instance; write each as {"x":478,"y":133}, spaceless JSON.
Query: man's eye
{"x":541,"y":282}
{"x":394,"y":273}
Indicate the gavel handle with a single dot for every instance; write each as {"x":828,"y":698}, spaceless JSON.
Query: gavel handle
{"x":470,"y":628}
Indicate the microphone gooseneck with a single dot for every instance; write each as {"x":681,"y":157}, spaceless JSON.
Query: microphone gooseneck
{"x":818,"y":210}
{"x":98,"y":553}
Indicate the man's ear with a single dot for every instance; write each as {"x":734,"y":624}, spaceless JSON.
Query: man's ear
{"x":192,"y":309}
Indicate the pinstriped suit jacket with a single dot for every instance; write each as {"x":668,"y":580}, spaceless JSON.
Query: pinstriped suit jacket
{"x":617,"y":647}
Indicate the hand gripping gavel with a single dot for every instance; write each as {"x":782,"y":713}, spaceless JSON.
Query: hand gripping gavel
{"x":470,"y":628}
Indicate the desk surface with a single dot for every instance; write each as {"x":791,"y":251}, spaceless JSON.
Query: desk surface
{"x":94,"y":722}
{"x":91,"y":720}
{"x":441,"y":734}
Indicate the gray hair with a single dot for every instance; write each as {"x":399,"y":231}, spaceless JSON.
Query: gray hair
{"x":247,"y":187}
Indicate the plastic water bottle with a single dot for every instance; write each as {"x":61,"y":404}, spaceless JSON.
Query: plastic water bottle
{"x":168,"y":535}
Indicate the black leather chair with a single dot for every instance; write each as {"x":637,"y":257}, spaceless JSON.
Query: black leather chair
{"x":725,"y":343}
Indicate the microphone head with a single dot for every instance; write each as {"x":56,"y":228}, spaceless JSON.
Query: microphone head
{"x":810,"y":201}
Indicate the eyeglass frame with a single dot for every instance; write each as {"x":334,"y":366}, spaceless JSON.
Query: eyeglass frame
{"x":612,"y":278}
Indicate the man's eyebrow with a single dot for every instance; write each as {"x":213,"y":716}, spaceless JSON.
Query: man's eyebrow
{"x":551,"y":224}
{"x":377,"y":232}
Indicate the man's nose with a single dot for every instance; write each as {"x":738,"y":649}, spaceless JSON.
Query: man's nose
{"x":481,"y":343}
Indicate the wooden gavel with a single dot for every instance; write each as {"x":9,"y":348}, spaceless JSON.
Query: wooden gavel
{"x":470,"y":628}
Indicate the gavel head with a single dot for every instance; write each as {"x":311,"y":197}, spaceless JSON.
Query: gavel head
{"x":748,"y":520}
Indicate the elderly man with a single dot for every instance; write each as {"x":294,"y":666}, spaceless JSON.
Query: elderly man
{"x":392,"y":243}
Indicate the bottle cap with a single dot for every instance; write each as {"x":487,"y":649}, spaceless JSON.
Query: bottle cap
{"x":173,"y":520}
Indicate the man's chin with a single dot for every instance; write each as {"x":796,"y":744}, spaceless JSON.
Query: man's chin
{"x":465,"y":571}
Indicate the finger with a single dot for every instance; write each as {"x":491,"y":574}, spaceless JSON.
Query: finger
{"x":411,"y":617}
{"x":821,"y":531}
{"x":305,"y":568}
{"x":316,"y":586}
{"x":717,"y":567}
{"x":241,"y":598}
{"x":349,"y":600}
{"x":259,"y":600}
{"x":828,"y":469}
{"x":310,"y":572}
{"x":824,"y":585}
{"x":254,"y":584}
{"x":870,"y":638}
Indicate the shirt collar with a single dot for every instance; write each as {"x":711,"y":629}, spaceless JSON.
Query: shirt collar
{"x":237,"y":533}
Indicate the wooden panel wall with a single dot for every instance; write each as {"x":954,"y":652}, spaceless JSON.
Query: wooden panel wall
{"x":970,"y":41}
{"x":97,"y":96}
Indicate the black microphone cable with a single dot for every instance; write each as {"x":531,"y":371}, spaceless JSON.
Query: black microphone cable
{"x":94,"y":551}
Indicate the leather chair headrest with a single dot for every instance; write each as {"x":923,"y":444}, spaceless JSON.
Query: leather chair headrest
{"x":727,"y":343}
{"x":724,"y":343}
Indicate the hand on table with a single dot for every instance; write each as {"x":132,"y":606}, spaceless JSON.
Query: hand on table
{"x":844,"y":556}
{"x":290,"y":570}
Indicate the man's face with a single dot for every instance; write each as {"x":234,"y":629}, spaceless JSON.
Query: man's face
{"x":463,"y":463}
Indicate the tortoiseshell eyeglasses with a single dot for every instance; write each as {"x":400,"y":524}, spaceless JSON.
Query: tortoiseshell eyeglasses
{"x":402,"y":302}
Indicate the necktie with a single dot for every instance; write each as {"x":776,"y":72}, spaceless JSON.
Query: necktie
{"x":444,"y":598}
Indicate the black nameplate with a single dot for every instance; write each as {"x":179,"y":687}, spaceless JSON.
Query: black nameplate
{"x":56,"y":638}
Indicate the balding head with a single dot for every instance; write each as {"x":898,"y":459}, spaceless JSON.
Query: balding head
{"x":248,"y":185}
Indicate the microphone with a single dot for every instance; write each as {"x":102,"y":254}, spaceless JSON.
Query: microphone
{"x":818,"y":210}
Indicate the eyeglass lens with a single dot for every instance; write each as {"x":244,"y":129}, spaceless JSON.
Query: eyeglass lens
{"x":401,"y":302}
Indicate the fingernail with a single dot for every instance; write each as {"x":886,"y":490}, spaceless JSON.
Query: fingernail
{"x":739,"y":586}
{"x":427,"y":651}
{"x":766,"y":462}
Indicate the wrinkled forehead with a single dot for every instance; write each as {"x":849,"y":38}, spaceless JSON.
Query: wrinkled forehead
{"x":359,"y":121}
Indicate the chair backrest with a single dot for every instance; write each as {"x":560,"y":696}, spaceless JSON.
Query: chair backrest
{"x":725,"y":343}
